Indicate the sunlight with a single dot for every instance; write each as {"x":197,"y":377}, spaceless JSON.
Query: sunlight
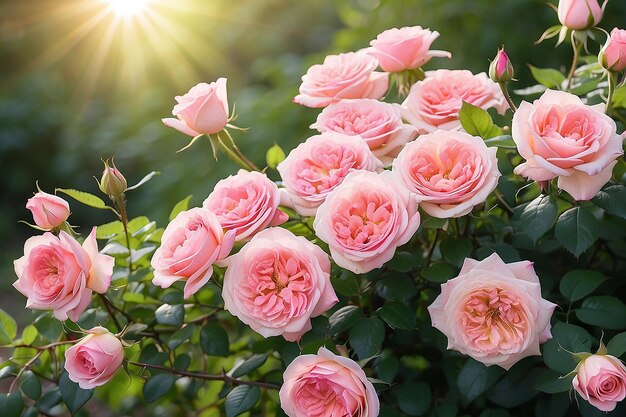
{"x":127,"y":8}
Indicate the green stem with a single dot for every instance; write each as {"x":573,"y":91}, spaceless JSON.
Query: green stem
{"x":507,"y":96}
{"x":431,"y":250}
{"x":121,"y":205}
{"x":576,"y":47}
{"x":609,"y":100}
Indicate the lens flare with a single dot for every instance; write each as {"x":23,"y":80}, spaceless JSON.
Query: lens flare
{"x":127,"y":8}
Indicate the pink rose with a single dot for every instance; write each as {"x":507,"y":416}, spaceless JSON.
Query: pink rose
{"x":493,"y":311}
{"x":560,"y":136}
{"x":405,"y":48}
{"x":434,"y":102}
{"x":191,"y":243}
{"x":277,"y":282}
{"x":327,"y":385}
{"x":378,"y":123}
{"x":601,"y":380}
{"x":49,"y":211}
{"x":57,"y":273}
{"x":579,"y":14}
{"x":246,"y":203}
{"x":613,"y":53}
{"x":365,"y":219}
{"x":450,"y":172}
{"x":203,"y":110}
{"x":313,"y":169}
{"x":349,"y":75}
{"x":94,"y":359}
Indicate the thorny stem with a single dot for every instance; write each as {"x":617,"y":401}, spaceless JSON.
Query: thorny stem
{"x":121,"y":204}
{"x":507,"y":96}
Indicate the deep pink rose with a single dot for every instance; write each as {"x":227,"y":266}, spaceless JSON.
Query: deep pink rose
{"x":58,"y":274}
{"x":560,"y":136}
{"x":434,"y":102}
{"x":365,"y":219}
{"x":246,"y":203}
{"x":49,"y":211}
{"x":378,"y":123}
{"x":191,"y":243}
{"x":613,"y":53}
{"x":277,"y":282}
{"x":326,"y":385}
{"x":94,"y":359}
{"x":313,"y":169}
{"x":579,"y":14}
{"x":601,"y":380}
{"x":493,"y":311}
{"x":349,"y":75}
{"x":202,"y":110}
{"x":450,"y":172}
{"x":405,"y":48}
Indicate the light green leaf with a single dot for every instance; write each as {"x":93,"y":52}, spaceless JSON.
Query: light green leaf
{"x":182,"y":205}
{"x":274,"y":156}
{"x":477,"y":122}
{"x":85,"y":198}
{"x":549,"y":77}
{"x":8,"y":328}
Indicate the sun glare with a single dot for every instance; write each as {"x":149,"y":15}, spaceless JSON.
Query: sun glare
{"x":127,"y":8}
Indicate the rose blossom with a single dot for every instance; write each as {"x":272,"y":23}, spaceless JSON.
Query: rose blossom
{"x":49,"y":211}
{"x":450,"y":172}
{"x":349,"y":75}
{"x":378,"y":123}
{"x":613,"y":53}
{"x":493,"y":311}
{"x":94,"y":359}
{"x":434,"y":102}
{"x":325,"y":385}
{"x":405,"y":48}
{"x":246,"y":203}
{"x":365,"y":219}
{"x":191,"y":243}
{"x":560,"y":136}
{"x":202,"y":110}
{"x":579,"y":14}
{"x":313,"y":169}
{"x":601,"y":380}
{"x":277,"y":282}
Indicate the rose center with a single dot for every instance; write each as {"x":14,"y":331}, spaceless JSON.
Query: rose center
{"x":363,"y":221}
{"x":317,"y":397}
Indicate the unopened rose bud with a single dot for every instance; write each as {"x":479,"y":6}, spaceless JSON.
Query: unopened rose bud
{"x":49,"y":211}
{"x":612,"y":56}
{"x":501,"y":70}
{"x":113,"y":182}
{"x":579,"y":14}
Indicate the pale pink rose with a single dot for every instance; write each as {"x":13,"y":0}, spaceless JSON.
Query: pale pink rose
{"x":493,"y":311}
{"x":560,"y":136}
{"x":246,"y":203}
{"x":58,"y":274}
{"x":449,"y":172}
{"x":579,"y":14}
{"x":601,"y":380}
{"x":405,"y":48}
{"x":326,"y":385}
{"x":191,"y":243}
{"x":94,"y":359}
{"x":49,"y":211}
{"x":202,"y":110}
{"x":277,"y":282}
{"x":613,"y":53}
{"x":434,"y":102}
{"x":349,"y":75}
{"x":378,"y":123}
{"x":365,"y":219}
{"x":313,"y":169}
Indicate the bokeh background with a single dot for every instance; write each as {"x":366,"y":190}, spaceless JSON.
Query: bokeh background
{"x":79,"y":83}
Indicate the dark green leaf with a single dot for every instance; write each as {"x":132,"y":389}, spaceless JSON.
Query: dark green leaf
{"x":603,"y":311}
{"x":475,"y":378}
{"x":387,"y":368}
{"x":214,"y":340}
{"x":182,"y":205}
{"x":566,"y":338}
{"x":172,"y":315}
{"x":7,"y":370}
{"x":49,"y":400}
{"x":549,"y":77}
{"x":8,"y":328}
{"x":85,"y":198}
{"x":241,"y":399}
{"x":477,"y":122}
{"x":157,"y":386}
{"x":31,"y":412}
{"x":11,"y":405}
{"x":345,"y":283}
{"x":182,"y":362}
{"x":49,"y":327}
{"x":73,"y":396}
{"x":577,"y":229}
{"x":402,"y":262}
{"x":577,"y":284}
{"x":396,"y":288}
{"x":552,"y":382}
{"x":613,"y":200}
{"x":343,"y":319}
{"x":439,"y":272}
{"x":617,"y":345}
{"x":366,"y":337}
{"x":274,"y":156}
{"x":414,"y":398}
{"x":455,"y":250}
{"x":30,"y":385}
{"x":182,"y":335}
{"x":538,"y":216}
{"x":249,"y":365}
{"x":398,"y":316}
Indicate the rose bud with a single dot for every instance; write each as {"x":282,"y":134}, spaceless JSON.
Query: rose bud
{"x":112,"y":182}
{"x":49,"y":211}
{"x":612,"y":56}
{"x":601,"y":380}
{"x":579,"y":14}
{"x":501,"y":70}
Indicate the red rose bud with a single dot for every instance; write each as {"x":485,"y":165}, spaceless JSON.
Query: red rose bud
{"x":113,"y":182}
{"x":501,"y":70}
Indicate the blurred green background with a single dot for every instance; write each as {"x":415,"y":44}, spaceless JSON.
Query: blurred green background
{"x":78,"y":84}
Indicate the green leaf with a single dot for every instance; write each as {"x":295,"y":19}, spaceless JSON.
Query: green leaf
{"x":29,"y":334}
{"x":343,"y":319}
{"x":439,"y":272}
{"x":241,"y":399}
{"x":577,"y":229}
{"x":83,"y":197}
{"x":619,"y":97}
{"x":475,"y":378}
{"x":8,"y":328}
{"x":613,"y":200}
{"x":144,"y":180}
{"x":182,"y":205}
{"x":108,"y":230}
{"x":157,"y":386}
{"x":502,"y":141}
{"x":387,"y":368}
{"x":566,"y":338}
{"x":577,"y":284}
{"x":552,"y":382}
{"x":396,"y":288}
{"x":366,"y":337}
{"x":538,"y":216}
{"x":455,"y":250}
{"x":172,"y":315}
{"x":30,"y":385}
{"x":345,"y":283}
{"x":603,"y":311}
{"x":214,"y":340}
{"x":182,"y":335}
{"x":402,"y":262}
{"x":49,"y":327}
{"x":249,"y":365}
{"x":73,"y":396}
{"x":11,"y":405}
{"x":414,"y":398}
{"x":549,"y":77}
{"x":617,"y":345}
{"x":477,"y":122}
{"x":274,"y":156}
{"x":398,"y":316}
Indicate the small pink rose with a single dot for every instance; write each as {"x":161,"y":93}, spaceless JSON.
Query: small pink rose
{"x":246,"y":203}
{"x":601,"y":380}
{"x":94,"y":359}
{"x":613,"y":54}
{"x":342,"y":76}
{"x":49,"y":211}
{"x":579,"y":14}
{"x":202,"y":110}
